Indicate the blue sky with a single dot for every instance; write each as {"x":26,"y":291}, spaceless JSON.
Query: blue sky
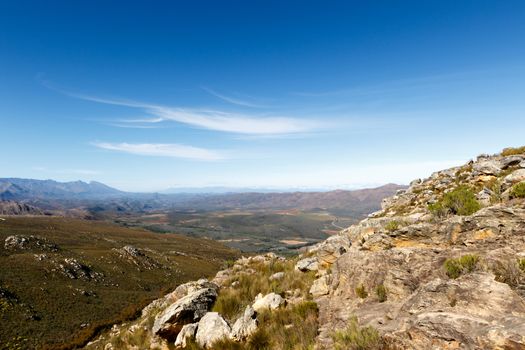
{"x":146,"y":95}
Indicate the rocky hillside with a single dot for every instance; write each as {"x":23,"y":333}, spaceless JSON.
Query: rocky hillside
{"x":440,"y":266}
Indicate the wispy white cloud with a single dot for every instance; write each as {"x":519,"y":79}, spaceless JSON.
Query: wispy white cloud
{"x":163,"y":150}
{"x":211,"y":119}
{"x":235,"y":122}
{"x":233,"y":100}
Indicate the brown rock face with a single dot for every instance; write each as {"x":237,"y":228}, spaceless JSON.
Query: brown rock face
{"x":390,"y":271}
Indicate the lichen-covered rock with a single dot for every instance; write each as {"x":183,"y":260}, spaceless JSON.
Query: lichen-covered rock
{"x":245,"y":325}
{"x":188,"y":309}
{"x":212,"y":327}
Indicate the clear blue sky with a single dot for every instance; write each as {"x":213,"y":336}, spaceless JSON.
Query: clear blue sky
{"x":145,"y":95}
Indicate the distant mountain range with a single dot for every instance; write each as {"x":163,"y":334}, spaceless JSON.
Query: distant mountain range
{"x":367,"y":200}
{"x":28,"y":196}
{"x":19,"y":189}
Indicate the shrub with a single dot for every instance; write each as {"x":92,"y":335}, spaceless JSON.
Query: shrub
{"x":510,"y":271}
{"x":456,"y":267}
{"x":381,"y":293}
{"x":521,"y":264}
{"x":518,"y":190}
{"x":513,"y":151}
{"x":292,"y":328}
{"x":361,"y":292}
{"x":357,"y":338}
{"x":460,"y":201}
{"x":392,"y":226}
{"x":260,"y":340}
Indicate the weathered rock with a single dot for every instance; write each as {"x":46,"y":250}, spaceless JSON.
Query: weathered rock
{"x":307,"y":264}
{"x":245,"y":326}
{"x":332,"y":248}
{"x":378,"y":241}
{"x":509,"y":161}
{"x":484,"y":196}
{"x":277,"y":276}
{"x":513,"y":178}
{"x":192,"y":287}
{"x":270,"y":301}
{"x":320,"y":286}
{"x":212,"y":327}
{"x":188,"y":309}
{"x":487,"y":167}
{"x":186,"y":333}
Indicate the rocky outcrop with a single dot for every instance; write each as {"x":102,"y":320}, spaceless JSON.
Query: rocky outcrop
{"x":212,"y":327}
{"x":23,"y":243}
{"x":392,"y":276}
{"x":188,"y":309}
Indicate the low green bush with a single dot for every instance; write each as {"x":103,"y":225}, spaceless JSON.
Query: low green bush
{"x":361,"y":292}
{"x":464,"y":264}
{"x":354,"y":337}
{"x":392,"y":226}
{"x":381,"y":293}
{"x":460,"y":201}
{"x":518,"y":190}
{"x":513,"y":151}
{"x":521,"y":264}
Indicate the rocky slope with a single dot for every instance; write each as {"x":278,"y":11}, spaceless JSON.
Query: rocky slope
{"x":440,"y":266}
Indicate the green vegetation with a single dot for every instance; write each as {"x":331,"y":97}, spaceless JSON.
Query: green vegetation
{"x":521,"y":264}
{"x":291,"y":328}
{"x":392,"y":226}
{"x":513,"y":151}
{"x":361,"y":292}
{"x":460,"y":201}
{"x":381,"y":293}
{"x":464,"y":264}
{"x":357,"y":338}
{"x":232,"y":301}
{"x":53,"y":311}
{"x":510,"y":271}
{"x":518,"y":190}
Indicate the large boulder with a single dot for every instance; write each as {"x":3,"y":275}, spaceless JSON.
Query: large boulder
{"x":188,"y":309}
{"x":270,"y":301}
{"x":212,"y":327}
{"x":509,"y":161}
{"x":486,"y":167}
{"x":245,"y":325}
{"x":307,"y":264}
{"x":186,"y":333}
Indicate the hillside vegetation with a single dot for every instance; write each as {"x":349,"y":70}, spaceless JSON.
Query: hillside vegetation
{"x":62,"y":280}
{"x":440,"y":266}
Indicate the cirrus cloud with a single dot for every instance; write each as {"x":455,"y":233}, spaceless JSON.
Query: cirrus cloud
{"x":171,"y":150}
